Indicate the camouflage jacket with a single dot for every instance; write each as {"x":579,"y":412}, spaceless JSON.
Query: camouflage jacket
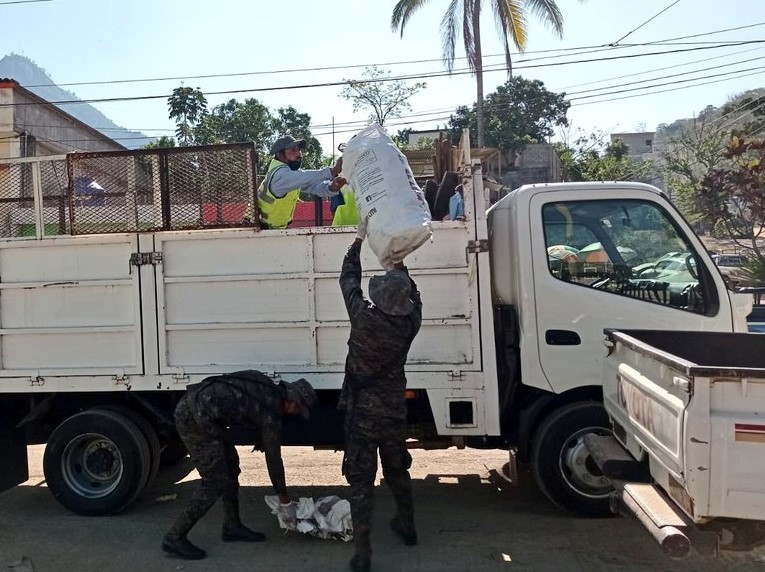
{"x":378,"y":345}
{"x":247,"y":400}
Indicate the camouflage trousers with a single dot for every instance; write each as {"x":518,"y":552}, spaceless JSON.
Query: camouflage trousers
{"x":364,"y":438}
{"x":217,"y":462}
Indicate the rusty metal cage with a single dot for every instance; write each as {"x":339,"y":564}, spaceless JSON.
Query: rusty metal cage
{"x":162,"y":189}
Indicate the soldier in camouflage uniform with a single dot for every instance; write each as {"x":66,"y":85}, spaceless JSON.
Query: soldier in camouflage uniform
{"x":204,"y":415}
{"x":373,"y":395}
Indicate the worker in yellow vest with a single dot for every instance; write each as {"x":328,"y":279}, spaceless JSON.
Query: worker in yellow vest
{"x":279,"y":192}
{"x":346,"y":214}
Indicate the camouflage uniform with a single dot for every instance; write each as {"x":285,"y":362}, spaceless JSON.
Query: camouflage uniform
{"x":374,"y":399}
{"x":246,"y":399}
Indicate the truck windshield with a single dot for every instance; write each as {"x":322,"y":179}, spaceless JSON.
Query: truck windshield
{"x":626,"y":247}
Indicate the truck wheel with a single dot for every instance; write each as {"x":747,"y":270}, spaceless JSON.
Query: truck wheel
{"x":148,"y":432}
{"x":96,"y":462}
{"x":562,"y":466}
{"x":173,"y":451}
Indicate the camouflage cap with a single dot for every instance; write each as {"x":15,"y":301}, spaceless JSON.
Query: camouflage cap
{"x":302,"y":392}
{"x":390,"y":293}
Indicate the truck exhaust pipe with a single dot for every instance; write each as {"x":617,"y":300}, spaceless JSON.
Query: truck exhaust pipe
{"x":647,"y":504}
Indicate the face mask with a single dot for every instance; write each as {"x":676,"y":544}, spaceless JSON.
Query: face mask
{"x":294,"y":165}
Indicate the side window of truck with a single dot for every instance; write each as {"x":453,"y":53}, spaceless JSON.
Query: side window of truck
{"x":627,"y":247}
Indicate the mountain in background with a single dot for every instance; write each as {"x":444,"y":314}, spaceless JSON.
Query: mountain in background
{"x":32,"y":77}
{"x":741,"y":111}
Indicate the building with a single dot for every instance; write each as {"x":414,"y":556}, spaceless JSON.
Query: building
{"x":30,"y":126}
{"x":639,"y":143}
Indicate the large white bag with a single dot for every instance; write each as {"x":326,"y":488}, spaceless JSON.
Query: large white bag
{"x":386,"y":195}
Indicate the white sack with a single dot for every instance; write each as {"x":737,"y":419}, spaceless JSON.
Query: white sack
{"x":387,"y":195}
{"x":327,"y":517}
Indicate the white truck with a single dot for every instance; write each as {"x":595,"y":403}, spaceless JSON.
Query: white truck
{"x":102,"y":326}
{"x":688,"y":409}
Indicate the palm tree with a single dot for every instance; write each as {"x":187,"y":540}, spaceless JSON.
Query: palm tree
{"x":510,"y":17}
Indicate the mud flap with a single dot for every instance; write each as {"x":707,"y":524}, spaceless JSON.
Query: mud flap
{"x":13,"y":456}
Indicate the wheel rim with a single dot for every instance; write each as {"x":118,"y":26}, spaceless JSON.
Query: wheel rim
{"x":91,"y":465}
{"x":579,"y":469}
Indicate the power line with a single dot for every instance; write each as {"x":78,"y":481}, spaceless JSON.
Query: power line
{"x":24,"y":2}
{"x":662,"y":90}
{"x":378,"y":80}
{"x":646,"y":22}
{"x":589,"y":49}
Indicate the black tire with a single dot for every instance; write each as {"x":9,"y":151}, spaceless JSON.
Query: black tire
{"x":173,"y":451}
{"x":562,"y":467}
{"x":148,"y":432}
{"x":96,"y":462}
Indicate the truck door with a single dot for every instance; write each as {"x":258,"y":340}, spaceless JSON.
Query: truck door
{"x":627,"y":262}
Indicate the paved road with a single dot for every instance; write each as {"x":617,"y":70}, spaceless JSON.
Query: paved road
{"x":469,"y":519}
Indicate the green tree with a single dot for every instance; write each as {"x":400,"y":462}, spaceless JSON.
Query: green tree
{"x":520,"y":112}
{"x":161,"y":143}
{"x":187,"y":106}
{"x":732,"y":197}
{"x":696,"y":149}
{"x":589,"y":158}
{"x":464,"y":16}
{"x":384,"y":97}
{"x":290,"y":120}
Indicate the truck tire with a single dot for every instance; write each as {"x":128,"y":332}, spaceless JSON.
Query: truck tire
{"x":562,"y":467}
{"x":96,"y":462}
{"x":173,"y":451}
{"x":148,"y":432}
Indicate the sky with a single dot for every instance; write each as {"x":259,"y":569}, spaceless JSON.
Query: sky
{"x":266,"y":50}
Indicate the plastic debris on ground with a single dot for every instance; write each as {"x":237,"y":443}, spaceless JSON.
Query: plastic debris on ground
{"x":326,"y":517}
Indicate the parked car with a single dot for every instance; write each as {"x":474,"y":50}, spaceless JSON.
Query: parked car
{"x":730,"y":266}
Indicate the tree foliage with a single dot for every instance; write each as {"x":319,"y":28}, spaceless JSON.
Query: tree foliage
{"x":463,"y":17}
{"x":520,"y":112}
{"x":240,"y":122}
{"x":732,"y":196}
{"x":697,"y":149}
{"x":382,"y":96}
{"x":161,"y":143}
{"x":590,"y":158}
{"x":187,"y":105}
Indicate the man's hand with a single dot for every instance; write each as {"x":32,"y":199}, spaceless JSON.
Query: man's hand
{"x":361,"y":233}
{"x":337,"y":168}
{"x":336,"y":184}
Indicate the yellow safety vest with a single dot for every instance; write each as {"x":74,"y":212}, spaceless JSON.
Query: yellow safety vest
{"x":346,"y":214}
{"x":276,"y":212}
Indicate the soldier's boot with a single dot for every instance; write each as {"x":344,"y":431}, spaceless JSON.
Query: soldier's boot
{"x":175,"y":541}
{"x":233,"y":529}
{"x":403,"y":523}
{"x":362,"y":559}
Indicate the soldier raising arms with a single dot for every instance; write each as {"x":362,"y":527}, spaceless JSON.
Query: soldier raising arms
{"x":374,"y":395}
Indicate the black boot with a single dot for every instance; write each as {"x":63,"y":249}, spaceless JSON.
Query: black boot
{"x":180,"y":546}
{"x":175,"y":541}
{"x":233,"y":529}
{"x":360,"y":563}
{"x":240,"y":533}
{"x":405,"y":530}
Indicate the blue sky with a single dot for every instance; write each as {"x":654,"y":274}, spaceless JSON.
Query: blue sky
{"x":105,"y":40}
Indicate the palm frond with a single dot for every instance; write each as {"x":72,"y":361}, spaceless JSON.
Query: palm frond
{"x":548,"y":12}
{"x":510,"y":18}
{"x":449,"y":29}
{"x":468,"y":33}
{"x":402,"y":11}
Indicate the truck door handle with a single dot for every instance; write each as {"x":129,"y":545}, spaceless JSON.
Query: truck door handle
{"x":562,"y":338}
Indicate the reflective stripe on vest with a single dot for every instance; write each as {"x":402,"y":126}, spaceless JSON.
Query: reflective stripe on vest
{"x":276,"y":212}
